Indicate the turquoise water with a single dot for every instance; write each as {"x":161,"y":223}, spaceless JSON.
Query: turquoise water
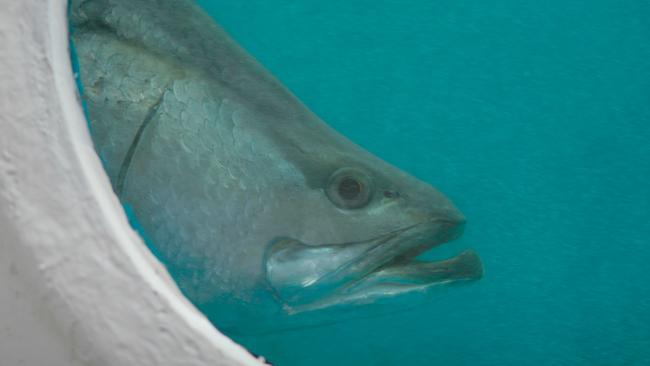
{"x":534,"y":118}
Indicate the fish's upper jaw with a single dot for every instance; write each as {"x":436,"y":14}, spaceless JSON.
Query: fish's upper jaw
{"x":437,"y":208}
{"x":304,"y":277}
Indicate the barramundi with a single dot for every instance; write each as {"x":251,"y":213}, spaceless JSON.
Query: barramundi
{"x":242,"y":192}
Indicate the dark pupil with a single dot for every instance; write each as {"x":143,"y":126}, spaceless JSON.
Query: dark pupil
{"x":349,"y":188}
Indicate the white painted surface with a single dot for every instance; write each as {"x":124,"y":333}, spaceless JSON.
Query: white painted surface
{"x":77,"y":285}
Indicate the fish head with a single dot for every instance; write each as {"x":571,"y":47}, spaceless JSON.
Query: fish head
{"x":358,"y":224}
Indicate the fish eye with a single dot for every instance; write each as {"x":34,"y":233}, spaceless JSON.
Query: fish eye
{"x":349,"y":188}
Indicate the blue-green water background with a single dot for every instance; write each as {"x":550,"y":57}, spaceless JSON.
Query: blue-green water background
{"x":534,"y":117}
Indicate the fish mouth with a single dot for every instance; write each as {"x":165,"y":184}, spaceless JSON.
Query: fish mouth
{"x":306,"y":277}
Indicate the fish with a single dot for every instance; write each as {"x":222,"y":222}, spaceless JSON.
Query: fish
{"x":244,"y":194}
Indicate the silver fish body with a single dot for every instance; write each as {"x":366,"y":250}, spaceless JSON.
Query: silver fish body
{"x":239,"y":188}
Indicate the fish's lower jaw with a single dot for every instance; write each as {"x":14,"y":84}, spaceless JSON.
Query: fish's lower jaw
{"x":397,"y":280}
{"x":305,"y":277}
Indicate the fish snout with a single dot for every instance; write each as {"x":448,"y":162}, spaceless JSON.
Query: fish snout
{"x":448,"y":217}
{"x":451,"y":224}
{"x":425,"y":203}
{"x":438,"y":221}
{"x":452,"y":229}
{"x":451,"y":215}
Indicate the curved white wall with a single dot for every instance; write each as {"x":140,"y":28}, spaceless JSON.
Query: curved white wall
{"x":77,"y":285}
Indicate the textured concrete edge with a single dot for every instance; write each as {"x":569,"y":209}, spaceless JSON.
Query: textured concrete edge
{"x":63,"y":236}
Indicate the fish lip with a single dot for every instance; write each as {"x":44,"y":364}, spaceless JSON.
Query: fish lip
{"x":453,"y":230}
{"x":308,"y":277}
